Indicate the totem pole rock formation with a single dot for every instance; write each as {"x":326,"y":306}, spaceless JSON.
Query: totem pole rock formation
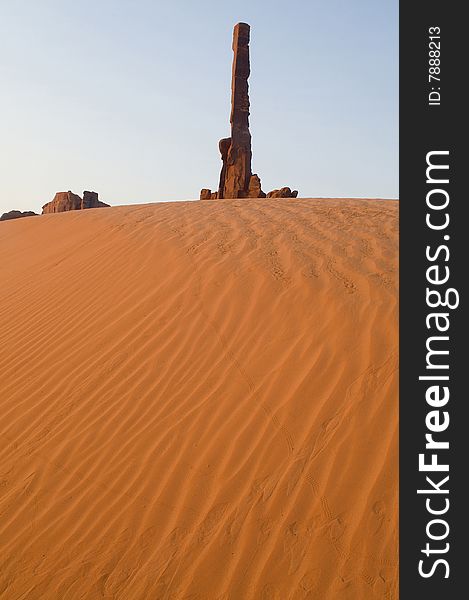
{"x":236,"y":151}
{"x":236,"y":177}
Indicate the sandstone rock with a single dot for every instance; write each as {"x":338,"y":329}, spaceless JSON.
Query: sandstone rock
{"x":65,"y":201}
{"x":284,"y":192}
{"x":224,"y":147}
{"x":255,"y":190}
{"x":236,"y":170}
{"x":90,"y":200}
{"x":214,"y":196}
{"x":205,"y":194}
{"x":236,"y":178}
{"x":17,"y":214}
{"x":62,"y":202}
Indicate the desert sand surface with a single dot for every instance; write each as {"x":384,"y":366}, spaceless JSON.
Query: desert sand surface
{"x":199,"y":401}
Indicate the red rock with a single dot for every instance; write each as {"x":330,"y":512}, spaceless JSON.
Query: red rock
{"x":238,"y":161}
{"x":224,"y":147}
{"x":65,"y":201}
{"x":284,"y":192}
{"x":255,"y":190}
{"x":236,"y":178}
{"x":90,"y":200}
{"x":205,"y":194}
{"x":17,"y":214}
{"x":62,"y":202}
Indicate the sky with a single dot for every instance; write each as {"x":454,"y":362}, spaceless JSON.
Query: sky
{"x":130,"y":97}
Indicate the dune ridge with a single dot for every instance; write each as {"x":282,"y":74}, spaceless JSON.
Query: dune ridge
{"x":199,"y":400}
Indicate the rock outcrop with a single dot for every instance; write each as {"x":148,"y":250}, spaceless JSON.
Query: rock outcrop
{"x":236,"y":154}
{"x":224,"y":147}
{"x":208,"y":195}
{"x":284,"y":192}
{"x":205,"y":194}
{"x":65,"y":201}
{"x":236,"y":178}
{"x":17,"y":214}
{"x":90,"y":200}
{"x":255,"y":190}
{"x":237,"y":166}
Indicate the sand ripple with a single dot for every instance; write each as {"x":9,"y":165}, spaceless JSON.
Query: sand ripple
{"x":199,"y":400}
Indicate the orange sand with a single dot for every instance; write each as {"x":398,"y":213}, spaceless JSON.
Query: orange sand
{"x":199,"y":400}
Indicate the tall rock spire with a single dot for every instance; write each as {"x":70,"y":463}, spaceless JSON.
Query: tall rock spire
{"x":236,"y":177}
{"x":236,"y":151}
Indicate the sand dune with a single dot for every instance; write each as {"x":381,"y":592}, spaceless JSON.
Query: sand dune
{"x":199,"y":400}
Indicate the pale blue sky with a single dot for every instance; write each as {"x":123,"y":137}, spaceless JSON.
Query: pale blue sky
{"x":130,"y":97}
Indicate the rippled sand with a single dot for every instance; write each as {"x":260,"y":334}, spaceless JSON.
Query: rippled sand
{"x":199,"y":400}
